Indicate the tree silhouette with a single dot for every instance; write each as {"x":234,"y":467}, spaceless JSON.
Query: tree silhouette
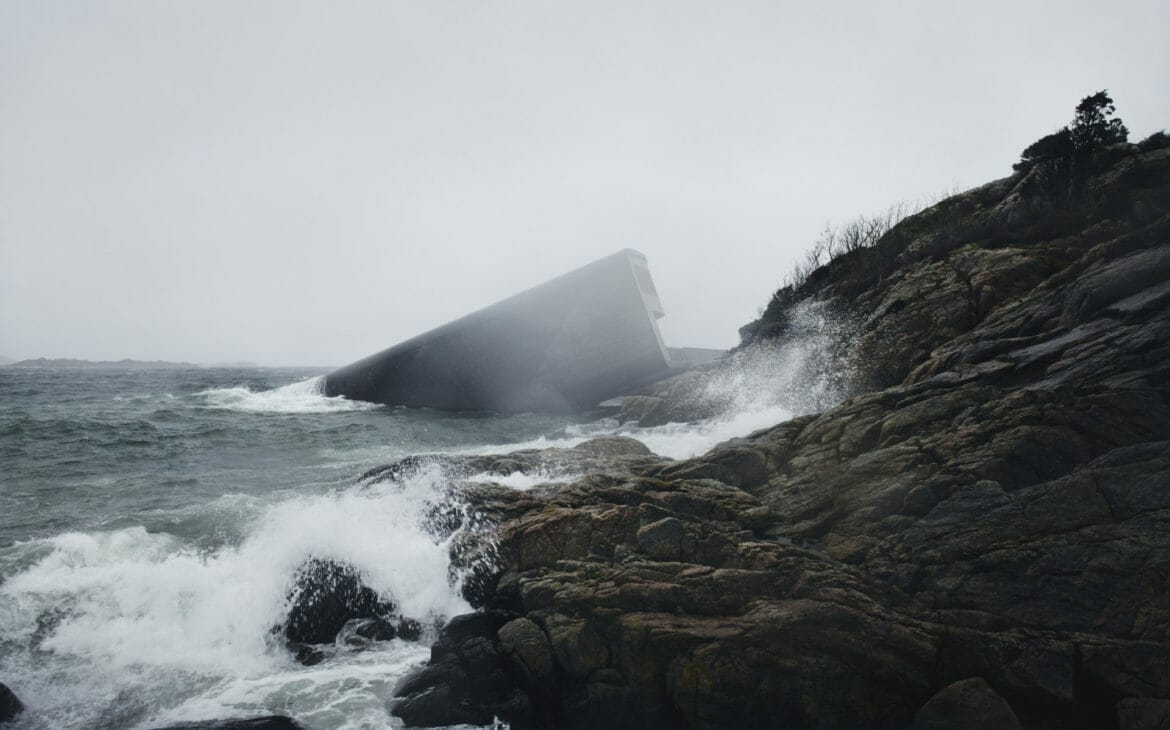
{"x":1092,"y":126}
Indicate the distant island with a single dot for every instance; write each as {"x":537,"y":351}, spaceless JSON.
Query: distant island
{"x":59,"y":363}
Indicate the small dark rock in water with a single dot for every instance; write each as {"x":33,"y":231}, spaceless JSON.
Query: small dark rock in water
{"x":308,"y":654}
{"x":409,"y":629}
{"x":10,"y":705}
{"x":403,"y":468}
{"x":966,"y":705}
{"x":361,"y":632}
{"x":268,"y":722}
{"x":325,"y":597}
{"x":330,"y":604}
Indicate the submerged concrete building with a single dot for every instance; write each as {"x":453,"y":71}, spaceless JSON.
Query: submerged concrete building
{"x":568,"y":344}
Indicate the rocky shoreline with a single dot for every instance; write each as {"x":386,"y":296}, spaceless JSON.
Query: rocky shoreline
{"x":981,"y":531}
{"x":978,"y":536}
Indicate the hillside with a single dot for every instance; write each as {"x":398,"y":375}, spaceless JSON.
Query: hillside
{"x":977,"y":537}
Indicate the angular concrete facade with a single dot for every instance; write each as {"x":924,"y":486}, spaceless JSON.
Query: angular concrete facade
{"x":565,"y":345}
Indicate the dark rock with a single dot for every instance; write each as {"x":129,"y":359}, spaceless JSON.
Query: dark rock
{"x":361,"y":632}
{"x":469,"y":679}
{"x":268,"y":722}
{"x":408,"y":629}
{"x":749,"y":465}
{"x":529,"y":650}
{"x":10,"y":704}
{"x":967,"y":705}
{"x":326,"y":595}
{"x":329,"y":604}
{"x":607,"y":446}
{"x":661,"y":540}
{"x":701,"y":470}
{"x":1143,"y":714}
{"x":308,"y":654}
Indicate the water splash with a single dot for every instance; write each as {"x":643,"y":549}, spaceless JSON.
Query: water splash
{"x":801,"y":372}
{"x":522,"y":481}
{"x":761,"y":386}
{"x":305,"y":396}
{"x":125,"y":615}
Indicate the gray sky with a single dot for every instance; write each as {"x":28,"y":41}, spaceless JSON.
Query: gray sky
{"x":292,"y":182}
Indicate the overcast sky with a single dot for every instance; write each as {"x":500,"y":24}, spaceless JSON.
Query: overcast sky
{"x":290,"y":182}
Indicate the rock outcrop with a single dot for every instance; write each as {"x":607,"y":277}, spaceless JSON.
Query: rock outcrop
{"x":10,"y":704}
{"x":983,"y":528}
{"x":330,"y":604}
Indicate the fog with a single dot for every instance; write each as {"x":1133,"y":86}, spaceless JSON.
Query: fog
{"x":306,"y":183}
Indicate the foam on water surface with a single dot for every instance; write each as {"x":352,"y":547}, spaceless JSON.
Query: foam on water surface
{"x":129,"y":612}
{"x":306,"y":396}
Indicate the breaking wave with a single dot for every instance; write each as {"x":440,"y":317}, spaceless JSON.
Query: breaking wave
{"x":305,"y":396}
{"x":132,"y":628}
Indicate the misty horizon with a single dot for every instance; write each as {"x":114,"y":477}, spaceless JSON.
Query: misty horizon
{"x":309,"y":185}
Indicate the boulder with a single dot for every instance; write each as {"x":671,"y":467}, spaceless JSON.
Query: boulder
{"x":329,"y":604}
{"x":10,"y":704}
{"x":467,"y":681}
{"x":970,"y":704}
{"x":325,"y":595}
{"x":528,"y":648}
{"x":608,"y":446}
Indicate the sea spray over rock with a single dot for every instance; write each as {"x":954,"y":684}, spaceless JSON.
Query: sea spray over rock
{"x":803,"y":372}
{"x":761,"y":385}
{"x":132,"y":615}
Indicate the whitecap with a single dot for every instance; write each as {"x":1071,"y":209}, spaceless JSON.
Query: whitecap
{"x":304,"y":396}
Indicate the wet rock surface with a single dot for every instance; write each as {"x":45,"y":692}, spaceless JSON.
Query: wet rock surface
{"x":329,"y":604}
{"x":10,"y":704}
{"x":967,"y":705}
{"x":983,"y":528}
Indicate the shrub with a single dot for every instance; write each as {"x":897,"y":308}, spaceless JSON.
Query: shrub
{"x":1156,"y":141}
{"x":1093,"y":126}
{"x":1057,"y":144}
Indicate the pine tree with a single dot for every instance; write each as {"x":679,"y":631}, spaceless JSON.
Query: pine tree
{"x":1093,"y":127}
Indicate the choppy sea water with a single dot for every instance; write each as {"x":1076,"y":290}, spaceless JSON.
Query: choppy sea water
{"x":151,"y":522}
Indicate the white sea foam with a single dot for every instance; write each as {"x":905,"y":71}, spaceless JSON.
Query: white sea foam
{"x":523,"y":482}
{"x":304,"y":396}
{"x":684,"y":440}
{"x":136,"y":614}
{"x":760,"y":387}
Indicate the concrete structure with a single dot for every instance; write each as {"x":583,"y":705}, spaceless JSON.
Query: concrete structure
{"x":570,"y":343}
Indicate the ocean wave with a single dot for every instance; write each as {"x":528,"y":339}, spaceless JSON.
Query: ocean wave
{"x":131,"y":613}
{"x":305,"y":396}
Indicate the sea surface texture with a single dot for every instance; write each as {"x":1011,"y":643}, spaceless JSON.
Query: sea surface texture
{"x":151,"y":523}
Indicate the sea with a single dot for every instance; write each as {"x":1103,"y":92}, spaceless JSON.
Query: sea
{"x":151,"y":523}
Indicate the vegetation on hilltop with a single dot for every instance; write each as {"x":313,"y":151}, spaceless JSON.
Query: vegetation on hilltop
{"x":1047,"y":196}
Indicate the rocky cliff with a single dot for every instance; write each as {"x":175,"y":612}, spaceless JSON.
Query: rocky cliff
{"x":981,"y":533}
